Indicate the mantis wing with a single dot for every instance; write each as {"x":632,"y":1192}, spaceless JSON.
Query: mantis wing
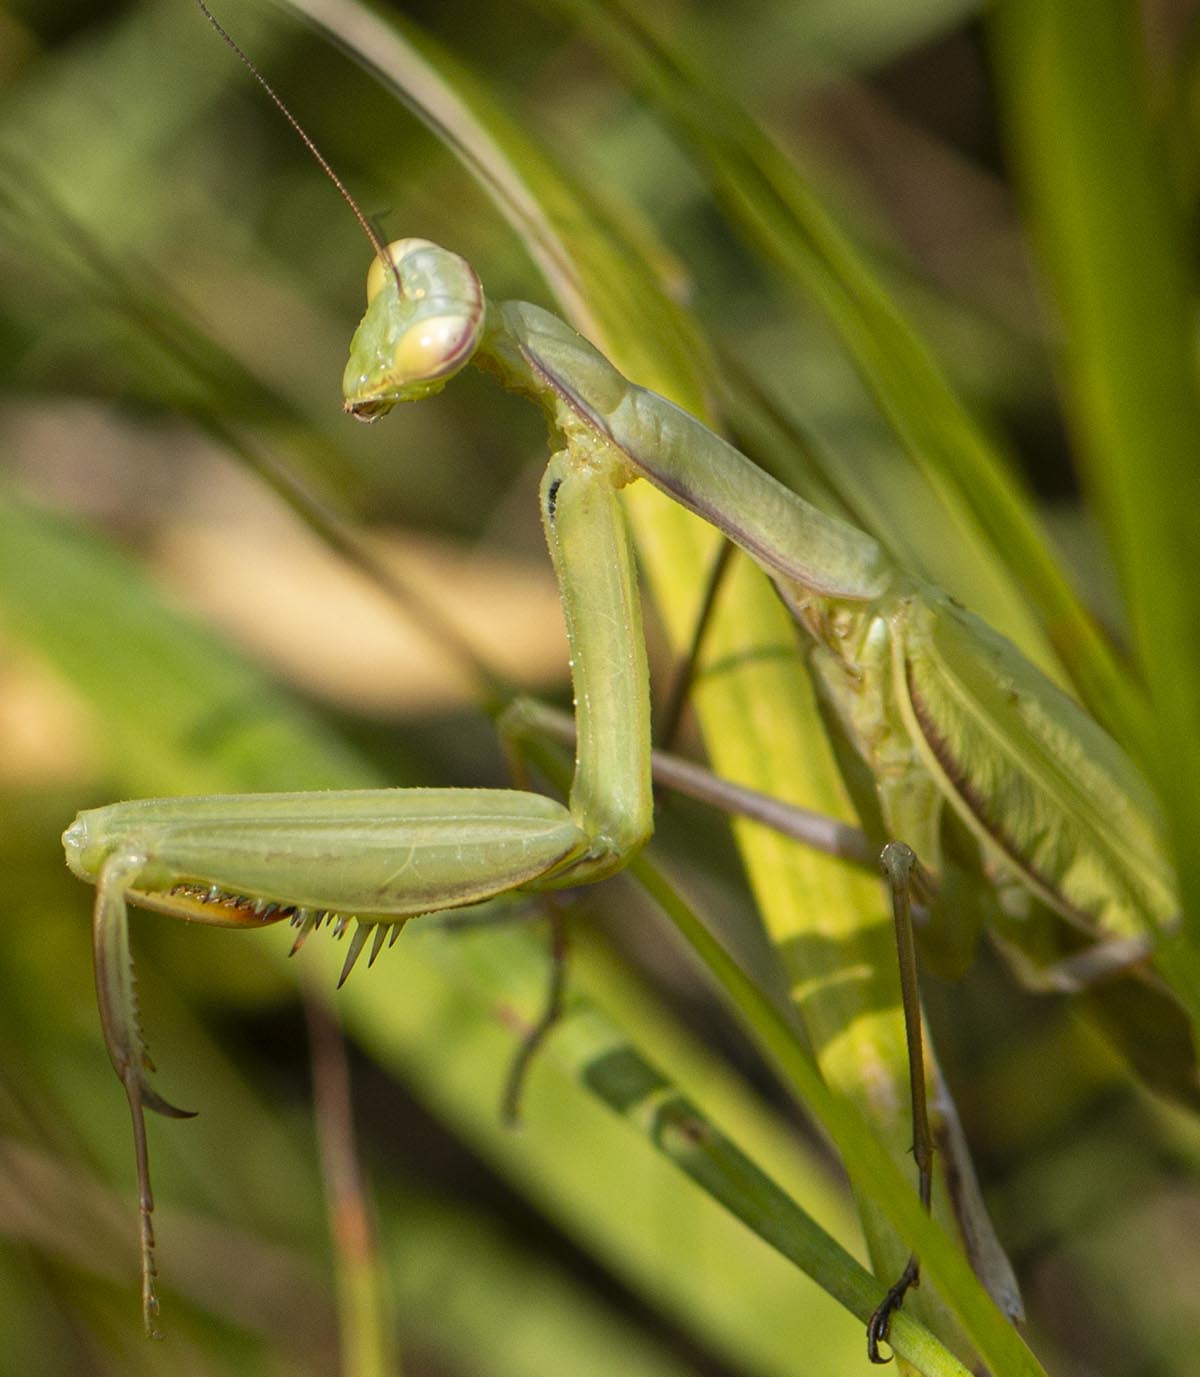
{"x":1029,"y":772}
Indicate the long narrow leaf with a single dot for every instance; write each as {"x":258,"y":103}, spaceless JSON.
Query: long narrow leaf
{"x":1118,"y":261}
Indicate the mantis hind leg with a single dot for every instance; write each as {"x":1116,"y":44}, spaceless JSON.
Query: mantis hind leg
{"x":907,"y":880}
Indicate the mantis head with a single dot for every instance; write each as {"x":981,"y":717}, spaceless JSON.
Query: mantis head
{"x":423,"y":322}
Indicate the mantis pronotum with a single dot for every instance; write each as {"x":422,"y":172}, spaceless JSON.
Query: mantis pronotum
{"x":939,"y":707}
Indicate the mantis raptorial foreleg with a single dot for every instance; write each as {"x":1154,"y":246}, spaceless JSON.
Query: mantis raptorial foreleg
{"x":377,"y":858}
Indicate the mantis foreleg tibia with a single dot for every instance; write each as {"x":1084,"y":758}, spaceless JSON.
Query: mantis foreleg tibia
{"x":940,"y":709}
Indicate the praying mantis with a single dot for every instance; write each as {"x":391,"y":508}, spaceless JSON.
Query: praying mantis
{"x":940,"y":709}
{"x":943,"y":710}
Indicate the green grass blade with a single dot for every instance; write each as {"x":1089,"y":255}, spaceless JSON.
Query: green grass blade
{"x":995,"y":1338}
{"x":766,"y":195}
{"x":1119,"y":265}
{"x":600,"y":1056}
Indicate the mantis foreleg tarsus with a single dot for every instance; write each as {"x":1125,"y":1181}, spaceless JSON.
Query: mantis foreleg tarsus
{"x":119,"y":1019}
{"x":939,"y":708}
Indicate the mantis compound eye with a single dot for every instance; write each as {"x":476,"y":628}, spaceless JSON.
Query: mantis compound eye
{"x":423,"y":322}
{"x":423,"y":350}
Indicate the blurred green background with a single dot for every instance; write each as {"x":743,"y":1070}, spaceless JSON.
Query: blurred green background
{"x":177,"y":287}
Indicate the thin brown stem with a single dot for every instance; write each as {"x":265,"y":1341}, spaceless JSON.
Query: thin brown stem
{"x":667,"y":727}
{"x":537,"y":1033}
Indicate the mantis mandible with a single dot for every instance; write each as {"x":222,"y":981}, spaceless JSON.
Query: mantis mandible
{"x":940,"y":708}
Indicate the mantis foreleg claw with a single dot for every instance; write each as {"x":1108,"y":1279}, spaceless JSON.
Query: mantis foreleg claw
{"x":153,"y":1100}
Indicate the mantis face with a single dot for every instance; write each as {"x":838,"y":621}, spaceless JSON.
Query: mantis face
{"x":423,"y":322}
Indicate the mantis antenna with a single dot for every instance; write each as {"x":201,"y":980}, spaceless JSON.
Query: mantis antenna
{"x":277,"y":100}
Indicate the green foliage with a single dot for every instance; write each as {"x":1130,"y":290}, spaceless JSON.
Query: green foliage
{"x":177,"y":286}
